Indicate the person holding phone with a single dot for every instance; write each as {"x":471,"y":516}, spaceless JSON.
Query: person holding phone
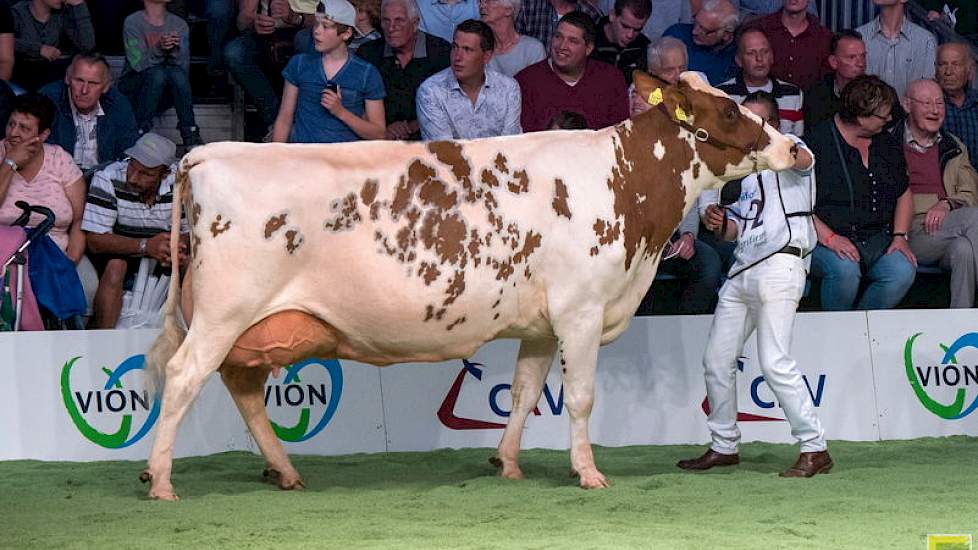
{"x":331,"y":96}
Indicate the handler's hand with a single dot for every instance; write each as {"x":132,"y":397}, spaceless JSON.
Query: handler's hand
{"x":713,"y":217}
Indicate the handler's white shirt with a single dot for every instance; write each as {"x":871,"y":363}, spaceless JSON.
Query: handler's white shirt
{"x":764,"y":227}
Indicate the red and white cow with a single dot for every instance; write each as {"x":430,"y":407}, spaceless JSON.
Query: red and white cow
{"x":387,"y":252}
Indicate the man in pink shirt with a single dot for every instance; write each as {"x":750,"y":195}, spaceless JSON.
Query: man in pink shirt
{"x":568,"y":81}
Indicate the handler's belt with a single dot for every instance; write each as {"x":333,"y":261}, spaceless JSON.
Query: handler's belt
{"x":793,"y":250}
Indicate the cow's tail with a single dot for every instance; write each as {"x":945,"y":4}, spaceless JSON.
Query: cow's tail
{"x":174,"y":326}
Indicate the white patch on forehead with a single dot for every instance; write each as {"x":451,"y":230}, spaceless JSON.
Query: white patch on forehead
{"x":696,"y":82}
{"x":658,"y":150}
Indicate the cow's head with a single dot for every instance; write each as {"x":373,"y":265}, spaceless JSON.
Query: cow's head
{"x":729,"y":140}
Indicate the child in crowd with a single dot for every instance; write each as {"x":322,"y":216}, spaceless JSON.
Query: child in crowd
{"x":157,"y":71}
{"x":331,"y":96}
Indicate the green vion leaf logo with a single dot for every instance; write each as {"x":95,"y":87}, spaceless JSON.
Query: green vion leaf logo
{"x":111,"y":400}
{"x":293,"y":394}
{"x":949,"y":374}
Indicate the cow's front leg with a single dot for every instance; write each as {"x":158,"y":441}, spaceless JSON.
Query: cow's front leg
{"x":532,"y":366}
{"x":580,"y":338}
{"x":245,"y":385}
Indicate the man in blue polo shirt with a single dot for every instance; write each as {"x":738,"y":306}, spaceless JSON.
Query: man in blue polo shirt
{"x":440,"y":17}
{"x":709,"y":40}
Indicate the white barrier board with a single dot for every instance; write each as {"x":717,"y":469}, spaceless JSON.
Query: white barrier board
{"x":79,"y":396}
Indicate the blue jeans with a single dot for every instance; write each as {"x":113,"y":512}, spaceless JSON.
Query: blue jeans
{"x":147,"y":91}
{"x":700,"y":277}
{"x":218,"y":15}
{"x":889,"y":279}
{"x":243,"y":58}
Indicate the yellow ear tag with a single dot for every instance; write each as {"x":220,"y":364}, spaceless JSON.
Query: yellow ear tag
{"x":681,"y":114}
{"x":655,"y":97}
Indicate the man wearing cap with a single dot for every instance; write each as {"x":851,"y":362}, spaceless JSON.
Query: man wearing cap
{"x":331,"y":96}
{"x":127,"y":217}
{"x":405,"y":57}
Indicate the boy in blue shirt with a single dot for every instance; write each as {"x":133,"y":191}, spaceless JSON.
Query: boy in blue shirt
{"x":331,"y":96}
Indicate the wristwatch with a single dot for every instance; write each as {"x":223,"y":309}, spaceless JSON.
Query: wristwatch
{"x":142,"y":247}
{"x":11,"y":163}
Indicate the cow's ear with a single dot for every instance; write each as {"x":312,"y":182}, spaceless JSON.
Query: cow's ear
{"x":678,"y":103}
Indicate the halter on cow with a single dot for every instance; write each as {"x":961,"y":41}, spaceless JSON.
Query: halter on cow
{"x":385,"y":252}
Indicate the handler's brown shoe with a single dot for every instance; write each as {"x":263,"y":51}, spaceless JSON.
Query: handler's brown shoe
{"x":709,"y":459}
{"x":809,"y":464}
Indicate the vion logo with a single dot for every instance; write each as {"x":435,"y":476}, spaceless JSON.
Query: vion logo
{"x":115,"y":403}
{"x":948,"y":376}
{"x":448,"y":417}
{"x":315,"y":395}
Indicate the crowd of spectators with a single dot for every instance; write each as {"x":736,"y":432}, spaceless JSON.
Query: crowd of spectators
{"x":891,"y":117}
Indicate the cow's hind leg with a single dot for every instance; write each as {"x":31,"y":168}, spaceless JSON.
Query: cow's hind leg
{"x":186,"y":373}
{"x":245,"y":385}
{"x":579,"y":338}
{"x":532,"y":366}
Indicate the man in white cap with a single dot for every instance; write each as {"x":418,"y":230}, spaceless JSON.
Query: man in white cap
{"x":330,"y":96}
{"x":127,"y":217}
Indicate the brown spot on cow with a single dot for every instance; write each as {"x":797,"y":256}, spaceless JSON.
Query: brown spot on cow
{"x":368,"y":193}
{"x":217,"y":227}
{"x":496,"y":316}
{"x":696,"y":170}
{"x":473,"y":247}
{"x":293,"y":240}
{"x":428,"y":272}
{"x":456,"y":287}
{"x":446,"y":236}
{"x":434,"y":193}
{"x":449,"y":153}
{"x":274,"y":224}
{"x":520,"y":183}
{"x":439,"y":313}
{"x":531,"y":243}
{"x":455,"y":323}
{"x":417,"y":173}
{"x":347,"y":214}
{"x":194,"y":214}
{"x":489,"y":180}
{"x":606,"y":232}
{"x":560,"y":199}
{"x":594,"y":251}
{"x":500,"y":163}
{"x":505,"y":271}
{"x":429,"y":313}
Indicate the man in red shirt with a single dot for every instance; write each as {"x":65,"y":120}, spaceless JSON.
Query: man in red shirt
{"x":799,"y":41}
{"x":568,"y":81}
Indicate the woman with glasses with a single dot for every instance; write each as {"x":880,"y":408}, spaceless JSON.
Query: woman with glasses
{"x":864,"y":207}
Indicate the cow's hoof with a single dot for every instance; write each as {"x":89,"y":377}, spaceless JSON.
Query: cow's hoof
{"x":593,"y":479}
{"x":506,"y":471}
{"x":286,"y":482}
{"x":163,"y":493}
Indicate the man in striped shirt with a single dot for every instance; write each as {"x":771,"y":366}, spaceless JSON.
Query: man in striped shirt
{"x":127,"y":218}
{"x":755,"y":58}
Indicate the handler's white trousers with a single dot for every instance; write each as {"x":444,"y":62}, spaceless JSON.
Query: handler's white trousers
{"x":764,"y":297}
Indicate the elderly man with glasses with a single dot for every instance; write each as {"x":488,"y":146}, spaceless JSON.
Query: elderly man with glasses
{"x":709,"y":39}
{"x":945,"y":191}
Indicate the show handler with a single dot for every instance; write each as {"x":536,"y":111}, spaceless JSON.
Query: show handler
{"x":775,"y":234}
